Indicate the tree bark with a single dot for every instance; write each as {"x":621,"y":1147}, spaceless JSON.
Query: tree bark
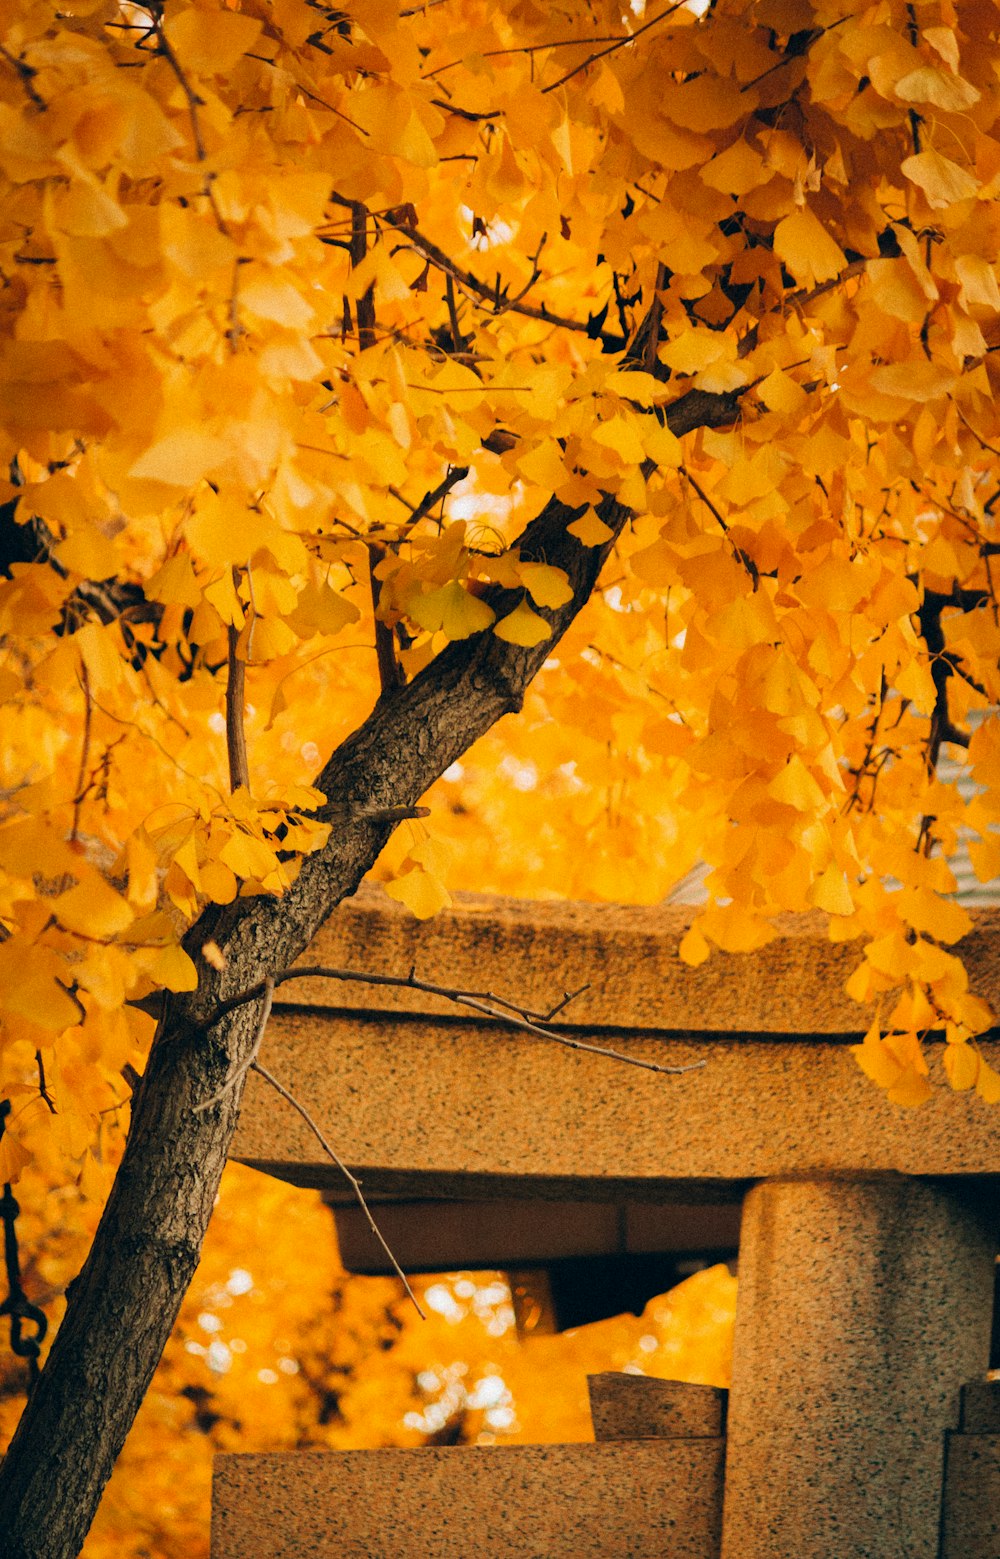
{"x":123,"y":1305}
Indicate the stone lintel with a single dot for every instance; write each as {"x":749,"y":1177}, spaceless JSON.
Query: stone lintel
{"x":616,"y":1500}
{"x":626,"y":955}
{"x":636,"y":1407}
{"x":432,"y":1107}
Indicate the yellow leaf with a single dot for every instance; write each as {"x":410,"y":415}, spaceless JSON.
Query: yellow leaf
{"x":93,"y":908}
{"x":247,"y":856}
{"x":928,"y":84}
{"x":523,"y":626}
{"x":917,"y":380}
{"x":142,"y":874}
{"x":693,"y":350}
{"x":961,"y":1065}
{"x":13,"y":1158}
{"x":265,"y":639}
{"x":942,"y":181}
{"x":591,"y":529}
{"x":422,"y":892}
{"x":453,"y":610}
{"x":545,"y":466}
{"x":89,"y":553}
{"x":171,"y":967}
{"x":213,"y":40}
{"x":988,"y":1083}
{"x":736,"y":170}
{"x":807,"y":248}
{"x":831,"y":892}
{"x":218,"y":882}
{"x":95,"y":1178}
{"x":781,"y":393}
{"x":547,"y":586}
{"x":270,"y":295}
{"x":661,"y":445}
{"x":620,"y":434}
{"x":796,"y":787}
{"x":213,"y":954}
{"x":736,"y":929}
{"x":693,"y":949}
{"x":875,"y":1060}
{"x":322,"y":610}
{"x":181,"y":459}
{"x":911,"y":1090}
{"x":979,"y":281}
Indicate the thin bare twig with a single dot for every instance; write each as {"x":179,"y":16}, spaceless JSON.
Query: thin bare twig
{"x":612,"y":48}
{"x":480,"y":290}
{"x":390,"y":672}
{"x":351,"y":1179}
{"x":456,"y":332}
{"x":81,"y":783}
{"x":251,"y":1057}
{"x":455,"y":475}
{"x":741,"y":557}
{"x":194,"y":102}
{"x":27,"y":74}
{"x":483,"y":1002}
{"x":236,"y":741}
{"x":530,"y":49}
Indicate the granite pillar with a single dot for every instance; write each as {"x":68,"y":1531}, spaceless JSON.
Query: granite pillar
{"x":864,"y":1304}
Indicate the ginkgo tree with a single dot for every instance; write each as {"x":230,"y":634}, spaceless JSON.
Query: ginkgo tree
{"x":361,"y":367}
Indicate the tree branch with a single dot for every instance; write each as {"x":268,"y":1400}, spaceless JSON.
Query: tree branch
{"x":485,"y":1003}
{"x":125,"y":1300}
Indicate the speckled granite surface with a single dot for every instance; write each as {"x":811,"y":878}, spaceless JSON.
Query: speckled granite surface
{"x":425,"y":1106}
{"x":627,"y":954}
{"x":632,"y":1407}
{"x":971,"y":1525}
{"x":649,"y":1499}
{"x":862,"y":1308}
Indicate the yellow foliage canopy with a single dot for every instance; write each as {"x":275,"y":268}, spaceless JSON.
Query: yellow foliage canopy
{"x":306,"y":314}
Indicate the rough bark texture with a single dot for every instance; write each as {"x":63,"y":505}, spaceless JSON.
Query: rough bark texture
{"x":123,"y":1304}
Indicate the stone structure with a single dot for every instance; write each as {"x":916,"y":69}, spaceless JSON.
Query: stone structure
{"x":651,"y":1486}
{"x":867,"y":1243}
{"x":971,"y":1525}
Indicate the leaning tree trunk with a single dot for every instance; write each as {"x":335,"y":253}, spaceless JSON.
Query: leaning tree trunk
{"x":123,"y":1305}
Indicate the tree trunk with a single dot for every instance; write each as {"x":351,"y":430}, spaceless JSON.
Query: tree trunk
{"x":123,"y":1305}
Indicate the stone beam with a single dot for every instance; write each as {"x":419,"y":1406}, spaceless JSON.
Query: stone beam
{"x":427,"y":1108}
{"x":431,"y":1101}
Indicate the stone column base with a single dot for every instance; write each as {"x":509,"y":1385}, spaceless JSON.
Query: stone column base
{"x":864,"y":1304}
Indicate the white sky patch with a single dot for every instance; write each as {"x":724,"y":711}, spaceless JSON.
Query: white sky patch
{"x":440,"y":1298}
{"x":218,"y":1357}
{"x":496,"y":233}
{"x":521,"y":772}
